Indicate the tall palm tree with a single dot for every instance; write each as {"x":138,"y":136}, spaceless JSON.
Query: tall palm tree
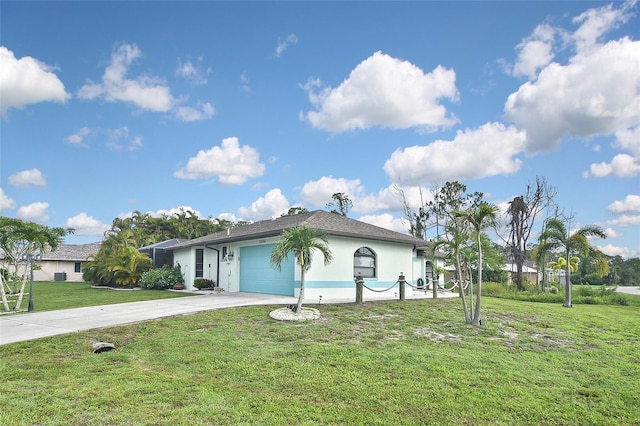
{"x":302,"y":241}
{"x":480,"y":217}
{"x":556,"y":236}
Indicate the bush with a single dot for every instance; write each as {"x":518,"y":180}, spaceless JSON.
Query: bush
{"x":203,"y":283}
{"x":493,"y":289}
{"x":161,"y":278}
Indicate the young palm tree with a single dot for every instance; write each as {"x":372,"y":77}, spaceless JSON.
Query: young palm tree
{"x":556,"y":236}
{"x":302,"y":241}
{"x":480,"y":217}
{"x":457,"y":235}
{"x":561,"y":264}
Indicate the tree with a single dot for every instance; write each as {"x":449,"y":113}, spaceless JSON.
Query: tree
{"x":557,"y":236}
{"x":561,"y":264}
{"x":523,"y":211}
{"x":341,"y":203}
{"x":294,"y":211}
{"x":480,"y":217}
{"x":457,"y":235}
{"x":302,"y":241}
{"x":20,"y":240}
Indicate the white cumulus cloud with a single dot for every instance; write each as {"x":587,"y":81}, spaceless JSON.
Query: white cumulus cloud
{"x":202,"y":111}
{"x":318,"y":193}
{"x":474,"y":153}
{"x":84,"y":224}
{"x":535,"y":52}
{"x":231,"y":163}
{"x":596,"y":92}
{"x":6,"y":202}
{"x":630,"y":204}
{"x":34,"y":212}
{"x":387,"y":221}
{"x":27,"y":81}
{"x":145,"y":92}
{"x":625,"y":252}
{"x":621,"y":165}
{"x":273,"y":204}
{"x":386,"y":92}
{"x":26,"y":178}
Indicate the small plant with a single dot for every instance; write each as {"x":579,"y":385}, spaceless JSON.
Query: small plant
{"x":161,"y":278}
{"x":201,"y":283}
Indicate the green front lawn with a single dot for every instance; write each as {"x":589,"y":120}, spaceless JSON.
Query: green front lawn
{"x":53,"y":295}
{"x":381,"y":363}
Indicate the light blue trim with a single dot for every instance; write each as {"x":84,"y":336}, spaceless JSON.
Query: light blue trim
{"x":344,"y":284}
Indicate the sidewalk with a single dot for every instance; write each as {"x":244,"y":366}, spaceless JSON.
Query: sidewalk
{"x":35,"y":325}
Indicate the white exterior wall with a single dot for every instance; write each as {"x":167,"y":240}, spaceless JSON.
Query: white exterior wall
{"x":333,"y":281}
{"x":49,"y":267}
{"x":336,"y":280}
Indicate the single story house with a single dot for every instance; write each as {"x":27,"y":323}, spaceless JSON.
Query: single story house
{"x":238,"y":259}
{"x":65,"y":263}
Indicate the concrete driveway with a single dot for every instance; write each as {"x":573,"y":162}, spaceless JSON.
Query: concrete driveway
{"x":35,"y":325}
{"x":629,"y":290}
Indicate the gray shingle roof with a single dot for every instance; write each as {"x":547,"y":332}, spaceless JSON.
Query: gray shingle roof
{"x":72,"y":252}
{"x":332,"y":223}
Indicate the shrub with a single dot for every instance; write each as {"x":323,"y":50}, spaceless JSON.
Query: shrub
{"x":203,"y":283}
{"x":161,"y":278}
{"x":618,"y":299}
{"x":493,"y":289}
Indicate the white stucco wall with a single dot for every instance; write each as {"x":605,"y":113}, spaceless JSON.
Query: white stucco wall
{"x":49,"y":267}
{"x":333,"y":281}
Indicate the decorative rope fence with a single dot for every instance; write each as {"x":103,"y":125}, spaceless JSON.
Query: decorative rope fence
{"x":360,"y":286}
{"x":401,"y":282}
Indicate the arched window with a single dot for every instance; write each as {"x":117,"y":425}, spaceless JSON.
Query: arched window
{"x":364,"y":263}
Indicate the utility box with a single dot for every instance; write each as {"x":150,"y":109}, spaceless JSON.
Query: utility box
{"x":60,"y":276}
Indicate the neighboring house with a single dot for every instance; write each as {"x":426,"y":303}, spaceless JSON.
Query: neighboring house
{"x":65,"y":263}
{"x":238,"y":259}
{"x":529,"y":273}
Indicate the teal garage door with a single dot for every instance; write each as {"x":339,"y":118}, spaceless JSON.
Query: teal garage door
{"x":257,"y":275}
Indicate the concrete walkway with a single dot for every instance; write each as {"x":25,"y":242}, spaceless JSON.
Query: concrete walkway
{"x":35,"y":325}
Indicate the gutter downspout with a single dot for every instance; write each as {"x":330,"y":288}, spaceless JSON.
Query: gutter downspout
{"x":217,"y":264}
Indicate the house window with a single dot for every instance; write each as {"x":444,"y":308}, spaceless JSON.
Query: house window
{"x":364,"y":263}
{"x":77,"y":267}
{"x":199,"y":263}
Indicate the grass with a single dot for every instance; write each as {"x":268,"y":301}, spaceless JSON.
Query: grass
{"x":54,"y":295}
{"x":409,"y":363}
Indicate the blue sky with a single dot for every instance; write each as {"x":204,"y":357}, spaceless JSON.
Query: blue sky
{"x":241,"y":110}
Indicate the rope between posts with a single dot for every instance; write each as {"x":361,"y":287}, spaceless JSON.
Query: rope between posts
{"x":380,"y":291}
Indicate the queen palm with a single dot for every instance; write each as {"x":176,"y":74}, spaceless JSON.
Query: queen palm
{"x":556,"y":236}
{"x":561,"y":264}
{"x":480,"y":217}
{"x":302,"y":241}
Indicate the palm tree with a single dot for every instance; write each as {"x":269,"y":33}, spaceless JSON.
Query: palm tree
{"x":556,"y":236}
{"x":561,"y":264}
{"x":480,"y":217}
{"x":302,"y":241}
{"x":457,"y":235}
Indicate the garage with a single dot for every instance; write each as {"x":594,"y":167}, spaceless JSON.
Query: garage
{"x":257,"y":275}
